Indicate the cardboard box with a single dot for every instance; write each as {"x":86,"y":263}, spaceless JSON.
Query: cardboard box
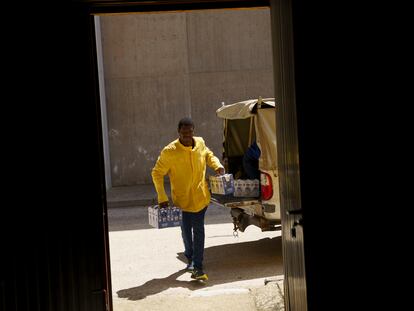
{"x":164,"y":217}
{"x":223,"y":184}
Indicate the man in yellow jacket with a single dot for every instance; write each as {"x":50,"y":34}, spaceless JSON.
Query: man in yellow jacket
{"x":184,"y":160}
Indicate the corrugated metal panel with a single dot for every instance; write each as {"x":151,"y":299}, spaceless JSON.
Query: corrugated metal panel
{"x":287,"y":145}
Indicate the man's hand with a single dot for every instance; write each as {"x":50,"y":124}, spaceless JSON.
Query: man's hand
{"x":220,"y":171}
{"x":163,"y":204}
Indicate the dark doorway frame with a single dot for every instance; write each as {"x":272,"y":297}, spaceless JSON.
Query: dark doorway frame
{"x":287,"y":131}
{"x":64,"y":264}
{"x":57,"y":260}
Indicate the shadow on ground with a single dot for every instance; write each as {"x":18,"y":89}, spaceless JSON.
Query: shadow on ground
{"x":223,"y":264}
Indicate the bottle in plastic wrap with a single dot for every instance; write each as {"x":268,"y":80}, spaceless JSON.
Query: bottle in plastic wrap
{"x":255,"y":187}
{"x":248,"y":188}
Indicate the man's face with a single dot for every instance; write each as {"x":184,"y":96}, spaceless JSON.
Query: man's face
{"x":186,"y":135}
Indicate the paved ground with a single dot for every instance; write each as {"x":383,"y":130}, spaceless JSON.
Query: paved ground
{"x":147,"y":266}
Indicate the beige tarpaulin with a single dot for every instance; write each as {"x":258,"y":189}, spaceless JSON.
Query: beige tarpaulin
{"x":266,"y":138}
{"x":242,"y":110}
{"x":237,"y":130}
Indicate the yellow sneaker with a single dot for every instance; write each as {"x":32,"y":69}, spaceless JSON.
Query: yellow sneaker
{"x":199,"y":275}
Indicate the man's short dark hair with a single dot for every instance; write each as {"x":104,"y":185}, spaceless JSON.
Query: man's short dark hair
{"x":185,"y":121}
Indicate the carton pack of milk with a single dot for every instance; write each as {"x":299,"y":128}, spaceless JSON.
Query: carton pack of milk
{"x":222,"y":184}
{"x":170,"y":216}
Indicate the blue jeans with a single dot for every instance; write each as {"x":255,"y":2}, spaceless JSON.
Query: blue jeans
{"x":192,"y":231}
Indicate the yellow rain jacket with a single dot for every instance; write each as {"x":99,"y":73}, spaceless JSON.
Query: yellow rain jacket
{"x":186,"y":168}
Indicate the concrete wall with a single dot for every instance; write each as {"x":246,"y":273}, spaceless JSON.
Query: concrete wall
{"x":161,"y":67}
